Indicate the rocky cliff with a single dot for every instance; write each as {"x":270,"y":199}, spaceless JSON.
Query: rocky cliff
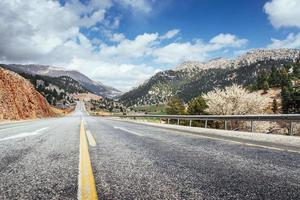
{"x":19,"y":99}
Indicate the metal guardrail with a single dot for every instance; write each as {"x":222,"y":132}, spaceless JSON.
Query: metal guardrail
{"x":289,"y":118}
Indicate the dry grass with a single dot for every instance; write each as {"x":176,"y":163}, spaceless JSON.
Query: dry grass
{"x":62,"y":112}
{"x":273,"y":93}
{"x":100,"y":113}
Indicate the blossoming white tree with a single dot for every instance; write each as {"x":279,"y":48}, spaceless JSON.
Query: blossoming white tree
{"x":235,"y":100}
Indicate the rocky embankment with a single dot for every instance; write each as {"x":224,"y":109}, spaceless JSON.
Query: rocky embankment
{"x":19,"y":99}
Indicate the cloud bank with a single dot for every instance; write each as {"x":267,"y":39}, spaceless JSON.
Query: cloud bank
{"x":47,"y":32}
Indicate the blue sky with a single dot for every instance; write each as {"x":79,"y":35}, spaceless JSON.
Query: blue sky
{"x":123,"y":42}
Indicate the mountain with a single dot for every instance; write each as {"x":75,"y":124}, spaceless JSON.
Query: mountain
{"x":192,"y":78}
{"x":19,"y":99}
{"x":93,"y":86}
{"x":58,"y":91}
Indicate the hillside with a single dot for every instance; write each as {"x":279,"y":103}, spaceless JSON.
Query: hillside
{"x":58,"y":91}
{"x":19,"y":99}
{"x":64,"y":83}
{"x":191,"y":79}
{"x":42,"y":70}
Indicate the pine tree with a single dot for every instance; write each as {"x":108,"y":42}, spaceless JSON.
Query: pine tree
{"x":265,"y":86}
{"x":54,"y":102}
{"x":49,"y":99}
{"x":275,"y":106}
{"x":296,"y":70}
{"x":286,"y":98}
{"x":175,"y":106}
{"x":40,"y":88}
{"x":285,"y":79}
{"x":197,"y":106}
{"x":274,"y":78}
{"x":54,"y":93}
{"x":261,"y":79}
{"x":294,"y":102}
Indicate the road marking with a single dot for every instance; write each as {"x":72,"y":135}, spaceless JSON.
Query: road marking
{"x":244,"y":143}
{"x":26,"y":134}
{"x":91,"y":139}
{"x":3,"y":129}
{"x":226,"y":140}
{"x":86,"y":180}
{"x":129,"y":131}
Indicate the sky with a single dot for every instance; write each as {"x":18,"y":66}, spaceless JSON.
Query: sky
{"x":123,"y":42}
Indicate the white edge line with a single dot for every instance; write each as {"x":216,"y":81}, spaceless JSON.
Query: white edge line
{"x":242,"y":143}
{"x":3,"y":129}
{"x":25,"y":134}
{"x":224,"y":140}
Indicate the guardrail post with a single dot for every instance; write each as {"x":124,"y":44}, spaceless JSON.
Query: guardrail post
{"x":168,"y":121}
{"x":190,"y":122}
{"x":252,"y":126}
{"x":178,"y":121}
{"x":290,"y":128}
{"x":205,"y":123}
{"x":225,"y":125}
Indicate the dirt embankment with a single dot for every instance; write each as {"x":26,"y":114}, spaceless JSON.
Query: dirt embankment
{"x":19,"y":99}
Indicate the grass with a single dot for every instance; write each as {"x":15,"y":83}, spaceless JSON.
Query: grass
{"x":147,"y":119}
{"x":152,"y":109}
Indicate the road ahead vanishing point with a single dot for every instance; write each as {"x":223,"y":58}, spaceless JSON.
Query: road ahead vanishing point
{"x":85,"y":157}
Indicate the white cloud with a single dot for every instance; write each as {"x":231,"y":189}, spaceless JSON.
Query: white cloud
{"x":87,"y":8}
{"x":140,"y":5}
{"x":170,"y":34}
{"x":116,"y":37}
{"x":45,"y":32}
{"x":291,"y":41}
{"x":283,"y":13}
{"x":94,"y":18}
{"x":129,"y":49}
{"x":177,"y":52}
{"x":227,"y":40}
{"x":27,"y":30}
{"x":127,"y":75}
{"x":198,"y":50}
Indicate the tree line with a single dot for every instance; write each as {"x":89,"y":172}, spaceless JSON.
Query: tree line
{"x":287,"y":78}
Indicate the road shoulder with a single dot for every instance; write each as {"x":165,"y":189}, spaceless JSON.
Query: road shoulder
{"x":277,"y":142}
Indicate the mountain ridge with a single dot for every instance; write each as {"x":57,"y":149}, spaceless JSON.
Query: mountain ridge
{"x":45,"y":70}
{"x":249,"y":57}
{"x":194,"y":78}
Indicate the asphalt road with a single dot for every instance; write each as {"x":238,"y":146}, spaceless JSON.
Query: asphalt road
{"x":40,"y":160}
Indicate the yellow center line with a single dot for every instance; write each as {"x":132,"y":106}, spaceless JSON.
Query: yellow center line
{"x":86,"y":181}
{"x":90,"y":138}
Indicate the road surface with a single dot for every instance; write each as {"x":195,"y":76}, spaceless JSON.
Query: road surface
{"x":48,"y":159}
